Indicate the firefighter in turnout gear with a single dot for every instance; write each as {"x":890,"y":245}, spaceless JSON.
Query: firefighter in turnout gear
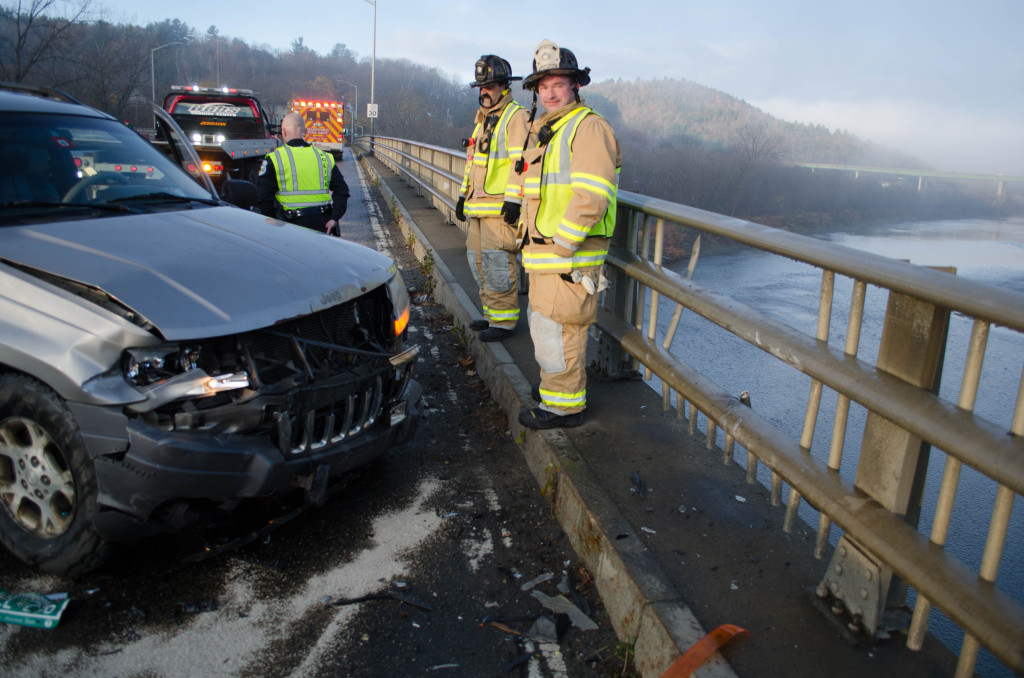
{"x":569,"y":174}
{"x":489,"y":203}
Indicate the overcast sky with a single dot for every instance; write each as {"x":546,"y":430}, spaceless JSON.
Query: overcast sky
{"x":941,"y":79}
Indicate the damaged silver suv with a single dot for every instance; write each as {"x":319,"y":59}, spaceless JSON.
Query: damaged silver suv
{"x":162,"y":352}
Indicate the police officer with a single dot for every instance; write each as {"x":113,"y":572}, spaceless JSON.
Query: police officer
{"x":570,"y":183}
{"x":488,"y":202}
{"x":300,"y":184}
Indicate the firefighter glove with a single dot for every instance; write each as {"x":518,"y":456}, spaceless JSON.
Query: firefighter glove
{"x":460,"y":211}
{"x":510,"y":212}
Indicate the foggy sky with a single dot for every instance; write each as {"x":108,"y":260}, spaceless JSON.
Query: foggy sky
{"x":942,"y":80}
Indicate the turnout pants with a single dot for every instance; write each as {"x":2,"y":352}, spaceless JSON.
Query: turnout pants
{"x":561,"y":313}
{"x":491,"y":249}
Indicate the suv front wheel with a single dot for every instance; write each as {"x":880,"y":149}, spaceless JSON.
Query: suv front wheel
{"x":47,"y":481}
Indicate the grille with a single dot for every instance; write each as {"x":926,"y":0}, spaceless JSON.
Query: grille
{"x":332,"y":370}
{"x":315,"y":346}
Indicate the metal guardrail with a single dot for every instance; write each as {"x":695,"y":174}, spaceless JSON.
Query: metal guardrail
{"x":881,"y":551}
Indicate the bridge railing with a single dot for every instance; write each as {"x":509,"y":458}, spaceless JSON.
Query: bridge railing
{"x":883,"y":561}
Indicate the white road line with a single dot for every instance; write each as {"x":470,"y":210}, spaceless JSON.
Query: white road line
{"x":373,"y":210}
{"x":551,"y":655}
{"x":494,"y":506}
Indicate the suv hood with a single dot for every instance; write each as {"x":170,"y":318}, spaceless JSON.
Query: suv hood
{"x":203,"y":272}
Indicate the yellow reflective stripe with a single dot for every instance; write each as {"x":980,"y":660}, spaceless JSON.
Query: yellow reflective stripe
{"x":501,"y":316}
{"x":545,"y":260}
{"x":571,"y":232}
{"x":482,"y":209}
{"x":594,"y":184}
{"x":556,"y":399}
{"x":541,"y":261}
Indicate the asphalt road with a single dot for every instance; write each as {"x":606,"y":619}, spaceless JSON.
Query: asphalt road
{"x":404,"y":572}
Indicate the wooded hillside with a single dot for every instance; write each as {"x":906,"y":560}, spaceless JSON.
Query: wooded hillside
{"x":681,"y":141}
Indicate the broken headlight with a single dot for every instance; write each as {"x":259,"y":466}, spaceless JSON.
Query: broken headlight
{"x":168,"y":372}
{"x":153,"y":364}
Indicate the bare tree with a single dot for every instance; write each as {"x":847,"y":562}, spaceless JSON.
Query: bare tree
{"x":757,"y":144}
{"x":29,"y":36}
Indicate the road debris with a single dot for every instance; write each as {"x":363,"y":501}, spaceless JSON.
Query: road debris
{"x":32,"y":609}
{"x":550,"y":626}
{"x":393,"y":595}
{"x":539,"y":579}
{"x":560,"y":605}
{"x":641,"y":489}
{"x":703,"y":649}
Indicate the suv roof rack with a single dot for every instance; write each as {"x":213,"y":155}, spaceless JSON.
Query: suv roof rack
{"x":39,"y":90}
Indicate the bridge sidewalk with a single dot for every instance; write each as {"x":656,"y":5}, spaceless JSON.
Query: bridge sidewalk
{"x":700,"y":548}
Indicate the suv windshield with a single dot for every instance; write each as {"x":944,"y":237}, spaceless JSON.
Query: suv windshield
{"x":62,"y":161}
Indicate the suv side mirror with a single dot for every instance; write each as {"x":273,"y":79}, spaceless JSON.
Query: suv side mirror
{"x":239,"y":193}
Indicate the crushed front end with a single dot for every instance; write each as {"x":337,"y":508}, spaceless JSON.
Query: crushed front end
{"x":260,"y":413}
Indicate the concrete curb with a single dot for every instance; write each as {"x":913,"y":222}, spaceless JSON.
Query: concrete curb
{"x":643,"y":605}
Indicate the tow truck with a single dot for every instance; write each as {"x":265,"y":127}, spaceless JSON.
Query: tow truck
{"x":325,"y":124}
{"x":227,"y":126}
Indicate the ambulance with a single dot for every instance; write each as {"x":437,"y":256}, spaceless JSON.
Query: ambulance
{"x":325,"y":126}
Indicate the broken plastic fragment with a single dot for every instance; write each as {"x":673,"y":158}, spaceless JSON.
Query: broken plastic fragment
{"x":540,"y":579}
{"x":740,"y":499}
{"x":560,"y":605}
{"x":546,"y":627}
{"x":648,"y":530}
{"x":639,"y":483}
{"x":31,"y":609}
{"x":702,"y":650}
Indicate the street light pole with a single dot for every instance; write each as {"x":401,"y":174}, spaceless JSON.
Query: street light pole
{"x":357,"y":103}
{"x":152,"y":73}
{"x":373,"y":60}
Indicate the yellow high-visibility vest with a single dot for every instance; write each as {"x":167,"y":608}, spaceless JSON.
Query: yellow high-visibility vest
{"x":498,"y":159}
{"x":557,"y":182}
{"x":303,"y":176}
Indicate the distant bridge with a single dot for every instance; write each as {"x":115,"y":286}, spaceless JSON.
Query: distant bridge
{"x":1000,"y":179}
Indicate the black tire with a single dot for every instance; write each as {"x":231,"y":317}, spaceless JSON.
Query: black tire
{"x":48,"y":489}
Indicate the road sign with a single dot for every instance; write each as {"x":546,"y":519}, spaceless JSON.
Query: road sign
{"x":371,"y":110}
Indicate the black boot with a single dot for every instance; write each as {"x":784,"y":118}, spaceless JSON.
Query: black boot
{"x":495,"y":334}
{"x":538,"y":418}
